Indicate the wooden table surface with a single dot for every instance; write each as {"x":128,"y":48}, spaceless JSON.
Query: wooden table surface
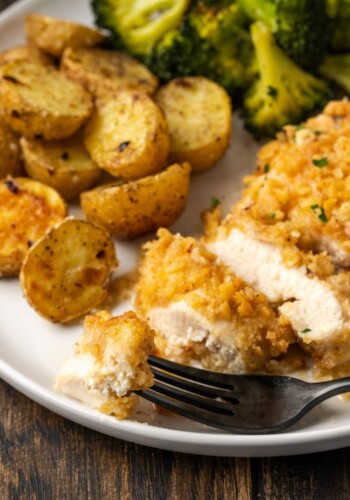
{"x":45,"y":457}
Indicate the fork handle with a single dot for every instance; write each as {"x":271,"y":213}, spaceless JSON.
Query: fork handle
{"x":325,"y":390}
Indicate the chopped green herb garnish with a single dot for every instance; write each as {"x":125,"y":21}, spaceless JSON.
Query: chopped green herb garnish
{"x":266,"y":168}
{"x":319,"y":211}
{"x":299,"y":127}
{"x":214,"y":202}
{"x":272,"y":91}
{"x":272,"y":215}
{"x":306,"y":330}
{"x":322,"y":162}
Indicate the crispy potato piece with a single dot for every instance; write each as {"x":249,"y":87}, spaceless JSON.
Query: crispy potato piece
{"x":23,"y":53}
{"x":54,"y":35}
{"x":27,"y":209}
{"x":66,"y":273}
{"x":64,"y":165}
{"x":198,"y":112}
{"x":104,"y":71}
{"x":38,"y":101}
{"x":127,"y":135}
{"x":10,"y":152}
{"x":137,"y":207}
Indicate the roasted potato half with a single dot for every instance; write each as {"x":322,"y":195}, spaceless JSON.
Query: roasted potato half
{"x":27,"y":210}
{"x":104,"y":71}
{"x":64,"y":165}
{"x":54,"y":35}
{"x":39,"y":102}
{"x":24,"y":53}
{"x":10,"y":152}
{"x":127,"y":135}
{"x":129,"y":209}
{"x":198,"y":112}
{"x":66,"y":273}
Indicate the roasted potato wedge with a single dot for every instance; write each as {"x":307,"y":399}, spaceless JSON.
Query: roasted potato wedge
{"x":54,"y":35}
{"x":198,"y":112}
{"x":24,"y":53}
{"x":27,"y":209}
{"x":64,"y":165}
{"x":129,"y":209}
{"x":104,"y":71}
{"x":38,"y":101}
{"x":10,"y":152}
{"x":127,"y":135}
{"x":66,"y":273}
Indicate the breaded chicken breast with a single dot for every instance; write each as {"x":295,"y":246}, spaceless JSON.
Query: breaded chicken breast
{"x":289,"y":235}
{"x":202,"y":313}
{"x":109,"y":362}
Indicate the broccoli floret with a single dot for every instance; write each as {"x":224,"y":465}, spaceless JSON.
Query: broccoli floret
{"x":138,"y":26}
{"x":212,"y":42}
{"x":299,"y":26}
{"x":339,"y":14}
{"x":283,"y":93}
{"x":336,"y":68}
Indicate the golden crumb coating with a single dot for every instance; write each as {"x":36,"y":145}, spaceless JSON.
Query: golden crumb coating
{"x":300,"y":191}
{"x":175,"y":269}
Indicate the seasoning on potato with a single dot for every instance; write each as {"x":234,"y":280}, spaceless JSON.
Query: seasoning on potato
{"x":67,"y":272}
{"x":104,"y":71}
{"x":54,"y":35}
{"x":129,"y":209}
{"x":64,"y":165}
{"x":24,"y":53}
{"x":198,"y":112}
{"x":10,"y":152}
{"x":127,"y":135}
{"x":39,"y":102}
{"x":27,"y":209}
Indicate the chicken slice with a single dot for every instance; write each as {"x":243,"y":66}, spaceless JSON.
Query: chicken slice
{"x":203,"y":314}
{"x":110,"y":361}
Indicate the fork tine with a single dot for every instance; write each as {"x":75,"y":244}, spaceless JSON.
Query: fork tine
{"x":206,"y":417}
{"x":206,"y":377}
{"x":196,"y":387}
{"x":188,"y":397}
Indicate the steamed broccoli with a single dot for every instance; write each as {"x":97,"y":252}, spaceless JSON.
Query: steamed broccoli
{"x":212,"y":42}
{"x":283,"y":92}
{"x":336,"y":68}
{"x":339,"y":14}
{"x":299,"y":26}
{"x":137,"y":26}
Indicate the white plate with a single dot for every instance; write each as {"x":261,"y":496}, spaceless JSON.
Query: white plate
{"x":31,"y":349}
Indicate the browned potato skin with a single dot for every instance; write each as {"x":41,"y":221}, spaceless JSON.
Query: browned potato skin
{"x":104,"y":71}
{"x":133,"y":208}
{"x":24,"y":53}
{"x":67,"y":272}
{"x":54,"y":35}
{"x":64,"y":165}
{"x":27,"y":209}
{"x":10,"y":152}
{"x":198,"y":112}
{"x":127,"y":135}
{"x":38,"y":101}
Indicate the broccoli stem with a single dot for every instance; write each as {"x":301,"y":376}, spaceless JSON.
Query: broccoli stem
{"x":336,"y":68}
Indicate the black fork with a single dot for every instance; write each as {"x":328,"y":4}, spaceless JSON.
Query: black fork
{"x":240,"y":404}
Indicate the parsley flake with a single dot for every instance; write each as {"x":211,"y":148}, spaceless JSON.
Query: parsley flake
{"x":214,"y":202}
{"x":306,"y":330}
{"x":272,"y":215}
{"x":322,"y":162}
{"x":319,"y":211}
{"x":266,"y":168}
